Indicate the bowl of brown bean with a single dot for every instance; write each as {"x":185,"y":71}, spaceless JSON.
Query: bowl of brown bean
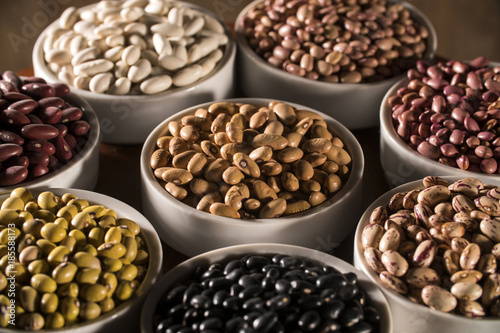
{"x":442,"y":120}
{"x":266,"y":288}
{"x":319,"y":53}
{"x":251,"y":170}
{"x":433,"y":246}
{"x":137,"y":62}
{"x":73,"y":260}
{"x":49,"y":137}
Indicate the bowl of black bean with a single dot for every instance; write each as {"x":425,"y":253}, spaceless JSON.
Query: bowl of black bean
{"x":442,"y":119}
{"x":251,"y":170}
{"x":49,"y":137}
{"x":265,"y":288}
{"x":432,"y":246}
{"x":321,"y":53}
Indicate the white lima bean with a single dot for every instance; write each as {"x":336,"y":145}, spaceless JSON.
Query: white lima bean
{"x":134,"y":46}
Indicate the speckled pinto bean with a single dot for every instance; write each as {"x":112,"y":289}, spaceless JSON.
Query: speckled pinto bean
{"x":448,"y":112}
{"x":331,"y":41}
{"x":448,"y":259}
{"x":138,"y":47}
{"x":76,"y":263}
{"x":266,"y":293}
{"x":40,"y":131}
{"x":229,"y":147}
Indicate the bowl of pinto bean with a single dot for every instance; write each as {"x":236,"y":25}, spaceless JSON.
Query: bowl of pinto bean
{"x":137,"y":62}
{"x":320,"y":53}
{"x":251,"y":170}
{"x":432,"y":246}
{"x":443,"y":120}
{"x":49,"y":137}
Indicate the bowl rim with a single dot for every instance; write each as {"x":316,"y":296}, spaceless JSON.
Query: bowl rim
{"x":388,"y":132}
{"x":237,"y":251}
{"x":150,"y":236}
{"x":229,"y":53}
{"x":245,"y":48}
{"x":391,"y":294}
{"x":349,"y":140}
{"x":92,"y":143}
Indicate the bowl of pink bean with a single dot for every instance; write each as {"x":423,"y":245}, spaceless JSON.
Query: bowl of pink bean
{"x":49,"y":137}
{"x":432,"y":246}
{"x":442,"y":120}
{"x":326,"y":53}
{"x":138,"y":62}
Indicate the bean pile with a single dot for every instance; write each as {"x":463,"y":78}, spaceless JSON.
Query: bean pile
{"x":71,"y":260}
{"x":267,"y":294}
{"x":134,"y":47}
{"x":440,"y":246}
{"x":336,"y":40}
{"x":245,"y":161}
{"x":449,"y":112}
{"x":39,"y":130}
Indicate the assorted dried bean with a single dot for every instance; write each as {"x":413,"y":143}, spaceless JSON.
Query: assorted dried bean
{"x":134,"y":47}
{"x":65,"y":260}
{"x":442,"y":249}
{"x":39,"y":130}
{"x":247,"y":161}
{"x":259,"y":293}
{"x":449,"y":112}
{"x":336,"y":41}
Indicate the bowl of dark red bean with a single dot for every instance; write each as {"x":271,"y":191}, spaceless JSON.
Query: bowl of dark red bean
{"x":342,"y":54}
{"x":48,"y":136}
{"x":251,"y":170}
{"x":443,"y":120}
{"x":265,"y":288}
{"x":433,"y":246}
{"x":137,"y":62}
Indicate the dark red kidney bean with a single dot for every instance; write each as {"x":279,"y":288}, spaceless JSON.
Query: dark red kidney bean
{"x":13,"y":117}
{"x":13,"y":175}
{"x":38,"y":171}
{"x":33,"y":79}
{"x":41,"y":146}
{"x":54,"y":164}
{"x":71,"y":114}
{"x":18,"y":160}
{"x":24,"y":106}
{"x":39,"y":132}
{"x":51,"y":101}
{"x":15,"y":96}
{"x":6,"y":87}
{"x":13,"y":78}
{"x":80,"y":127}
{"x":50,"y":115}
{"x":34,"y":119}
{"x":70,"y":140}
{"x":11,"y":137}
{"x":8,"y":150}
{"x":38,"y":90}
{"x":63,"y":151}
{"x":63,"y":129}
{"x":61,"y":89}
{"x":37,"y":157}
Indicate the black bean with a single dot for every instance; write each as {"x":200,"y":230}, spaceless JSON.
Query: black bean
{"x":232,"y":324}
{"x":268,"y":283}
{"x":309,"y":321}
{"x":282,"y":286}
{"x":247,"y":281}
{"x":330,"y":270}
{"x":232,"y":303}
{"x":211,"y":324}
{"x":328,"y":295}
{"x":301,"y":286}
{"x":163,"y":325}
{"x":186,"y":330}
{"x":272,"y":271}
{"x":278,"y":302}
{"x":219,"y":297}
{"x":348,"y":292}
{"x":360,"y":297}
{"x":177,"y":312}
{"x":189,"y":293}
{"x":256,"y":262}
{"x":295,"y":274}
{"x":351,"y":277}
{"x":219,"y":283}
{"x":235,"y":274}
{"x":330,"y":326}
{"x":277,"y":258}
{"x":173,"y":329}
{"x":253,"y":304}
{"x":200,"y":301}
{"x":371,"y":314}
{"x":361,"y":327}
{"x":332,"y":310}
{"x":191,"y":316}
{"x":333,"y":280}
{"x":265,"y":322}
{"x":215,"y":312}
{"x":230,"y":266}
{"x":235,"y":289}
{"x":213,"y":273}
{"x":309,"y":302}
{"x":350,"y":316}
{"x":250,"y":292}
{"x":291,"y":262}
{"x":251,"y":316}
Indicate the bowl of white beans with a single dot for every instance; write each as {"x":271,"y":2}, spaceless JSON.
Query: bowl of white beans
{"x":432,"y":246}
{"x":442,"y":119}
{"x":319,"y":53}
{"x":251,"y":170}
{"x":136,"y":63}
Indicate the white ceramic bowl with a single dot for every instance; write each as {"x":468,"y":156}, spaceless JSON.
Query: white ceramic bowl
{"x":353,"y":105}
{"x":125,"y":317}
{"x":82,"y":170}
{"x":403,"y":164}
{"x":129,"y":119}
{"x":191,"y":232}
{"x":184,"y":271}
{"x":410,"y":317}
